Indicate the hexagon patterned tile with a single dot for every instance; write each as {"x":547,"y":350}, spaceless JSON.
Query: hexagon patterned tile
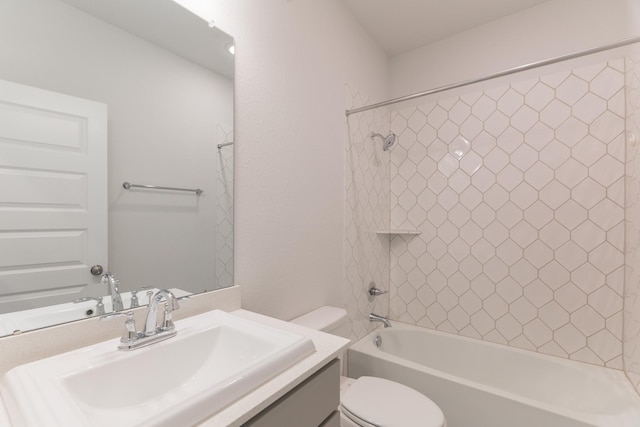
{"x":518,"y":190}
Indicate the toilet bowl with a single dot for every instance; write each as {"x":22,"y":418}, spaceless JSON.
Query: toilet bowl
{"x":371,"y":401}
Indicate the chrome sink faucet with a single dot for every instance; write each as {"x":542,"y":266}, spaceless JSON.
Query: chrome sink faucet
{"x":377,"y":318}
{"x":112,"y":284}
{"x":151,"y":325}
{"x":152,"y":333}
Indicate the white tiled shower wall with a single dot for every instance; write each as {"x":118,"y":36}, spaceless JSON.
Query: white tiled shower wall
{"x":632,"y":222}
{"x":366,"y":254}
{"x":518,"y":190}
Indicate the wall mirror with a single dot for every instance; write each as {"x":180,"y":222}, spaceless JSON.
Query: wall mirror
{"x":95,"y":94}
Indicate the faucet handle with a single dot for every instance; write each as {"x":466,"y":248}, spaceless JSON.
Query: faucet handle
{"x":373,"y":291}
{"x":172,"y":303}
{"x":134,"y":299}
{"x":134,"y":296}
{"x":130,"y":324}
{"x":99,"y":306}
{"x":167,"y":323}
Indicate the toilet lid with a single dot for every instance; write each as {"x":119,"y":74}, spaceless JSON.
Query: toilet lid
{"x":386,"y":403}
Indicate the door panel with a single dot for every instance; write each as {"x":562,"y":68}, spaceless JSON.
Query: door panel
{"x":53,"y":196}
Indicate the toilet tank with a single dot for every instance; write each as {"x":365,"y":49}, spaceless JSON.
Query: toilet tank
{"x":327,"y":319}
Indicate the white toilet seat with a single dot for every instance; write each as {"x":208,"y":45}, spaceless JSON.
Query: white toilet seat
{"x":348,"y":419}
{"x":375,"y":402}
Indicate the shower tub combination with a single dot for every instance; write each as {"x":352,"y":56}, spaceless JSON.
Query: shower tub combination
{"x":481,"y":384}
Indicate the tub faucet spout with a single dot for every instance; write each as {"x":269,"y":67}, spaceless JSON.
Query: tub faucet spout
{"x":377,"y":318}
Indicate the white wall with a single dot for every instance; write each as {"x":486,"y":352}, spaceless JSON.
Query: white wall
{"x":293,"y":59}
{"x":551,"y":29}
{"x":163,"y":112}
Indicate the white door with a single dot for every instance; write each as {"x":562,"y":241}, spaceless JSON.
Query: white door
{"x":53,"y":196}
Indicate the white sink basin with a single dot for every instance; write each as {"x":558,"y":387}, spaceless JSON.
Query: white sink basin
{"x":215,"y":359}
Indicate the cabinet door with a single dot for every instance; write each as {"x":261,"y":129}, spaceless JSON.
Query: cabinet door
{"x":308,"y":405}
{"x":332,"y":421}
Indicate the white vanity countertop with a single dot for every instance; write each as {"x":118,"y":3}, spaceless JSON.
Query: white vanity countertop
{"x":328,"y":347}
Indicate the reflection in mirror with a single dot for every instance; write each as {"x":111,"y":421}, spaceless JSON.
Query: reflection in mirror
{"x":94,"y":94}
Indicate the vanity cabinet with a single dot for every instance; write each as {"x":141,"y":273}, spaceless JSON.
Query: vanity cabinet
{"x":313,"y":403}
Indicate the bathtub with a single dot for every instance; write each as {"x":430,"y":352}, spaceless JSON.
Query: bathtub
{"x":480,"y":384}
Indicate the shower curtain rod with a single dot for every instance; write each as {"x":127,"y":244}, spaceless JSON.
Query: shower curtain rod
{"x":496,"y":75}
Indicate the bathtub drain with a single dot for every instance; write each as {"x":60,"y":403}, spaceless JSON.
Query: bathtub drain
{"x":378,"y":340}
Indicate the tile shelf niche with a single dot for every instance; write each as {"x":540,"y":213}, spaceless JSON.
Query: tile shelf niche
{"x":405,"y":232}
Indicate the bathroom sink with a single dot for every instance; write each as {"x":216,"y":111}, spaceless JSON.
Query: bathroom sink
{"x":215,"y":359}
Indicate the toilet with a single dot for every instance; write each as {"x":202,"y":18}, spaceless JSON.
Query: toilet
{"x":371,"y":401}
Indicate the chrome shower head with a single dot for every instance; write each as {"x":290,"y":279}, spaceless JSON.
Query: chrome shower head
{"x":387,"y":141}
